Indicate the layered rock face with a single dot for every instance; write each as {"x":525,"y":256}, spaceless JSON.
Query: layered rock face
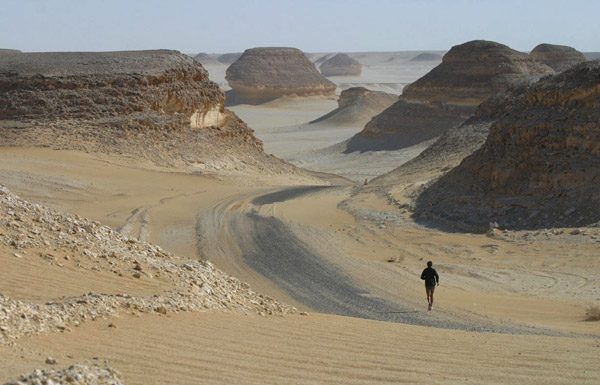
{"x":341,"y":65}
{"x":356,"y":106}
{"x":155,"y":104}
{"x":558,"y":57}
{"x":264,"y":74}
{"x":95,"y":85}
{"x":539,"y":167}
{"x":448,"y":95}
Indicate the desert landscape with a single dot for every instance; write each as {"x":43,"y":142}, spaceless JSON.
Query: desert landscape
{"x":263,"y":216}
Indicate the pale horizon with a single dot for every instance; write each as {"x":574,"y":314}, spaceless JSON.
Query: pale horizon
{"x":312,"y":26}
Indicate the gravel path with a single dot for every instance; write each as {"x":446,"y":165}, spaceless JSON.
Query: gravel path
{"x":271,"y":248}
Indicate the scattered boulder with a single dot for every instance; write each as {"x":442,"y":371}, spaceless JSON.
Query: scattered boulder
{"x":341,"y":65}
{"x":448,"y":95}
{"x":558,"y":57}
{"x":264,"y":74}
{"x":356,"y":106}
{"x":539,"y":166}
{"x":427,"y":56}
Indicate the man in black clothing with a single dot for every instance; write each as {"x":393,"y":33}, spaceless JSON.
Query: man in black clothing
{"x":432,"y":279}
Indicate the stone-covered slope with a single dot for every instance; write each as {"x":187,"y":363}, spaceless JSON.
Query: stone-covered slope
{"x":448,"y":95}
{"x":264,"y":74}
{"x":78,"y":247}
{"x":539,"y":167}
{"x":340,"y":65}
{"x":356,"y":106}
{"x":558,"y":57}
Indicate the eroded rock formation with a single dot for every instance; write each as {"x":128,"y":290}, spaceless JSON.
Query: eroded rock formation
{"x":539,"y":167}
{"x":558,"y":57}
{"x":448,"y":95}
{"x":264,"y":74}
{"x":356,"y":106}
{"x":427,"y":56}
{"x":341,"y":65}
{"x":153,"y":104}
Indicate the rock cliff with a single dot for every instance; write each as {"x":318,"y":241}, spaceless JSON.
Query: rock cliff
{"x":264,"y":74}
{"x":340,"y":65}
{"x":448,"y":95}
{"x":539,"y":167}
{"x":558,"y":57}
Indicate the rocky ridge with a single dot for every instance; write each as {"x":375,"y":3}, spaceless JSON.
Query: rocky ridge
{"x":539,"y":166}
{"x":448,"y":95}
{"x":557,"y":57}
{"x":267,"y":73}
{"x":340,"y":65}
{"x":40,"y":234}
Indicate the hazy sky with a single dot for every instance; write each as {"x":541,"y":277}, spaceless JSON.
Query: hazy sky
{"x":311,"y":25}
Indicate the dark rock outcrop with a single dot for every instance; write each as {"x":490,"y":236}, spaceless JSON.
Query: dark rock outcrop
{"x":158,"y":105}
{"x":356,"y":106}
{"x":427,"y":56}
{"x":539,"y":167}
{"x":557,"y":57}
{"x":264,"y":74}
{"x":340,"y":65}
{"x":448,"y":95}
{"x":7,"y":51}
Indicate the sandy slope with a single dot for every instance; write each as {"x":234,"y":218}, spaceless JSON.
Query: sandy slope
{"x":233,"y":349}
{"x":508,"y":284}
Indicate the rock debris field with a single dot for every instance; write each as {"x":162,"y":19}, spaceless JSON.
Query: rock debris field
{"x":192,"y":285}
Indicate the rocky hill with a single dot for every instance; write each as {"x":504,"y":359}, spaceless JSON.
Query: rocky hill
{"x":472,"y":72}
{"x":340,"y":65}
{"x":264,"y":74}
{"x":157,"y":105}
{"x":356,"y":106}
{"x":539,"y":166}
{"x":558,"y":57}
{"x":448,"y":95}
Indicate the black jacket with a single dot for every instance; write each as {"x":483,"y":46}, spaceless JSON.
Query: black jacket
{"x":430,"y":276}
